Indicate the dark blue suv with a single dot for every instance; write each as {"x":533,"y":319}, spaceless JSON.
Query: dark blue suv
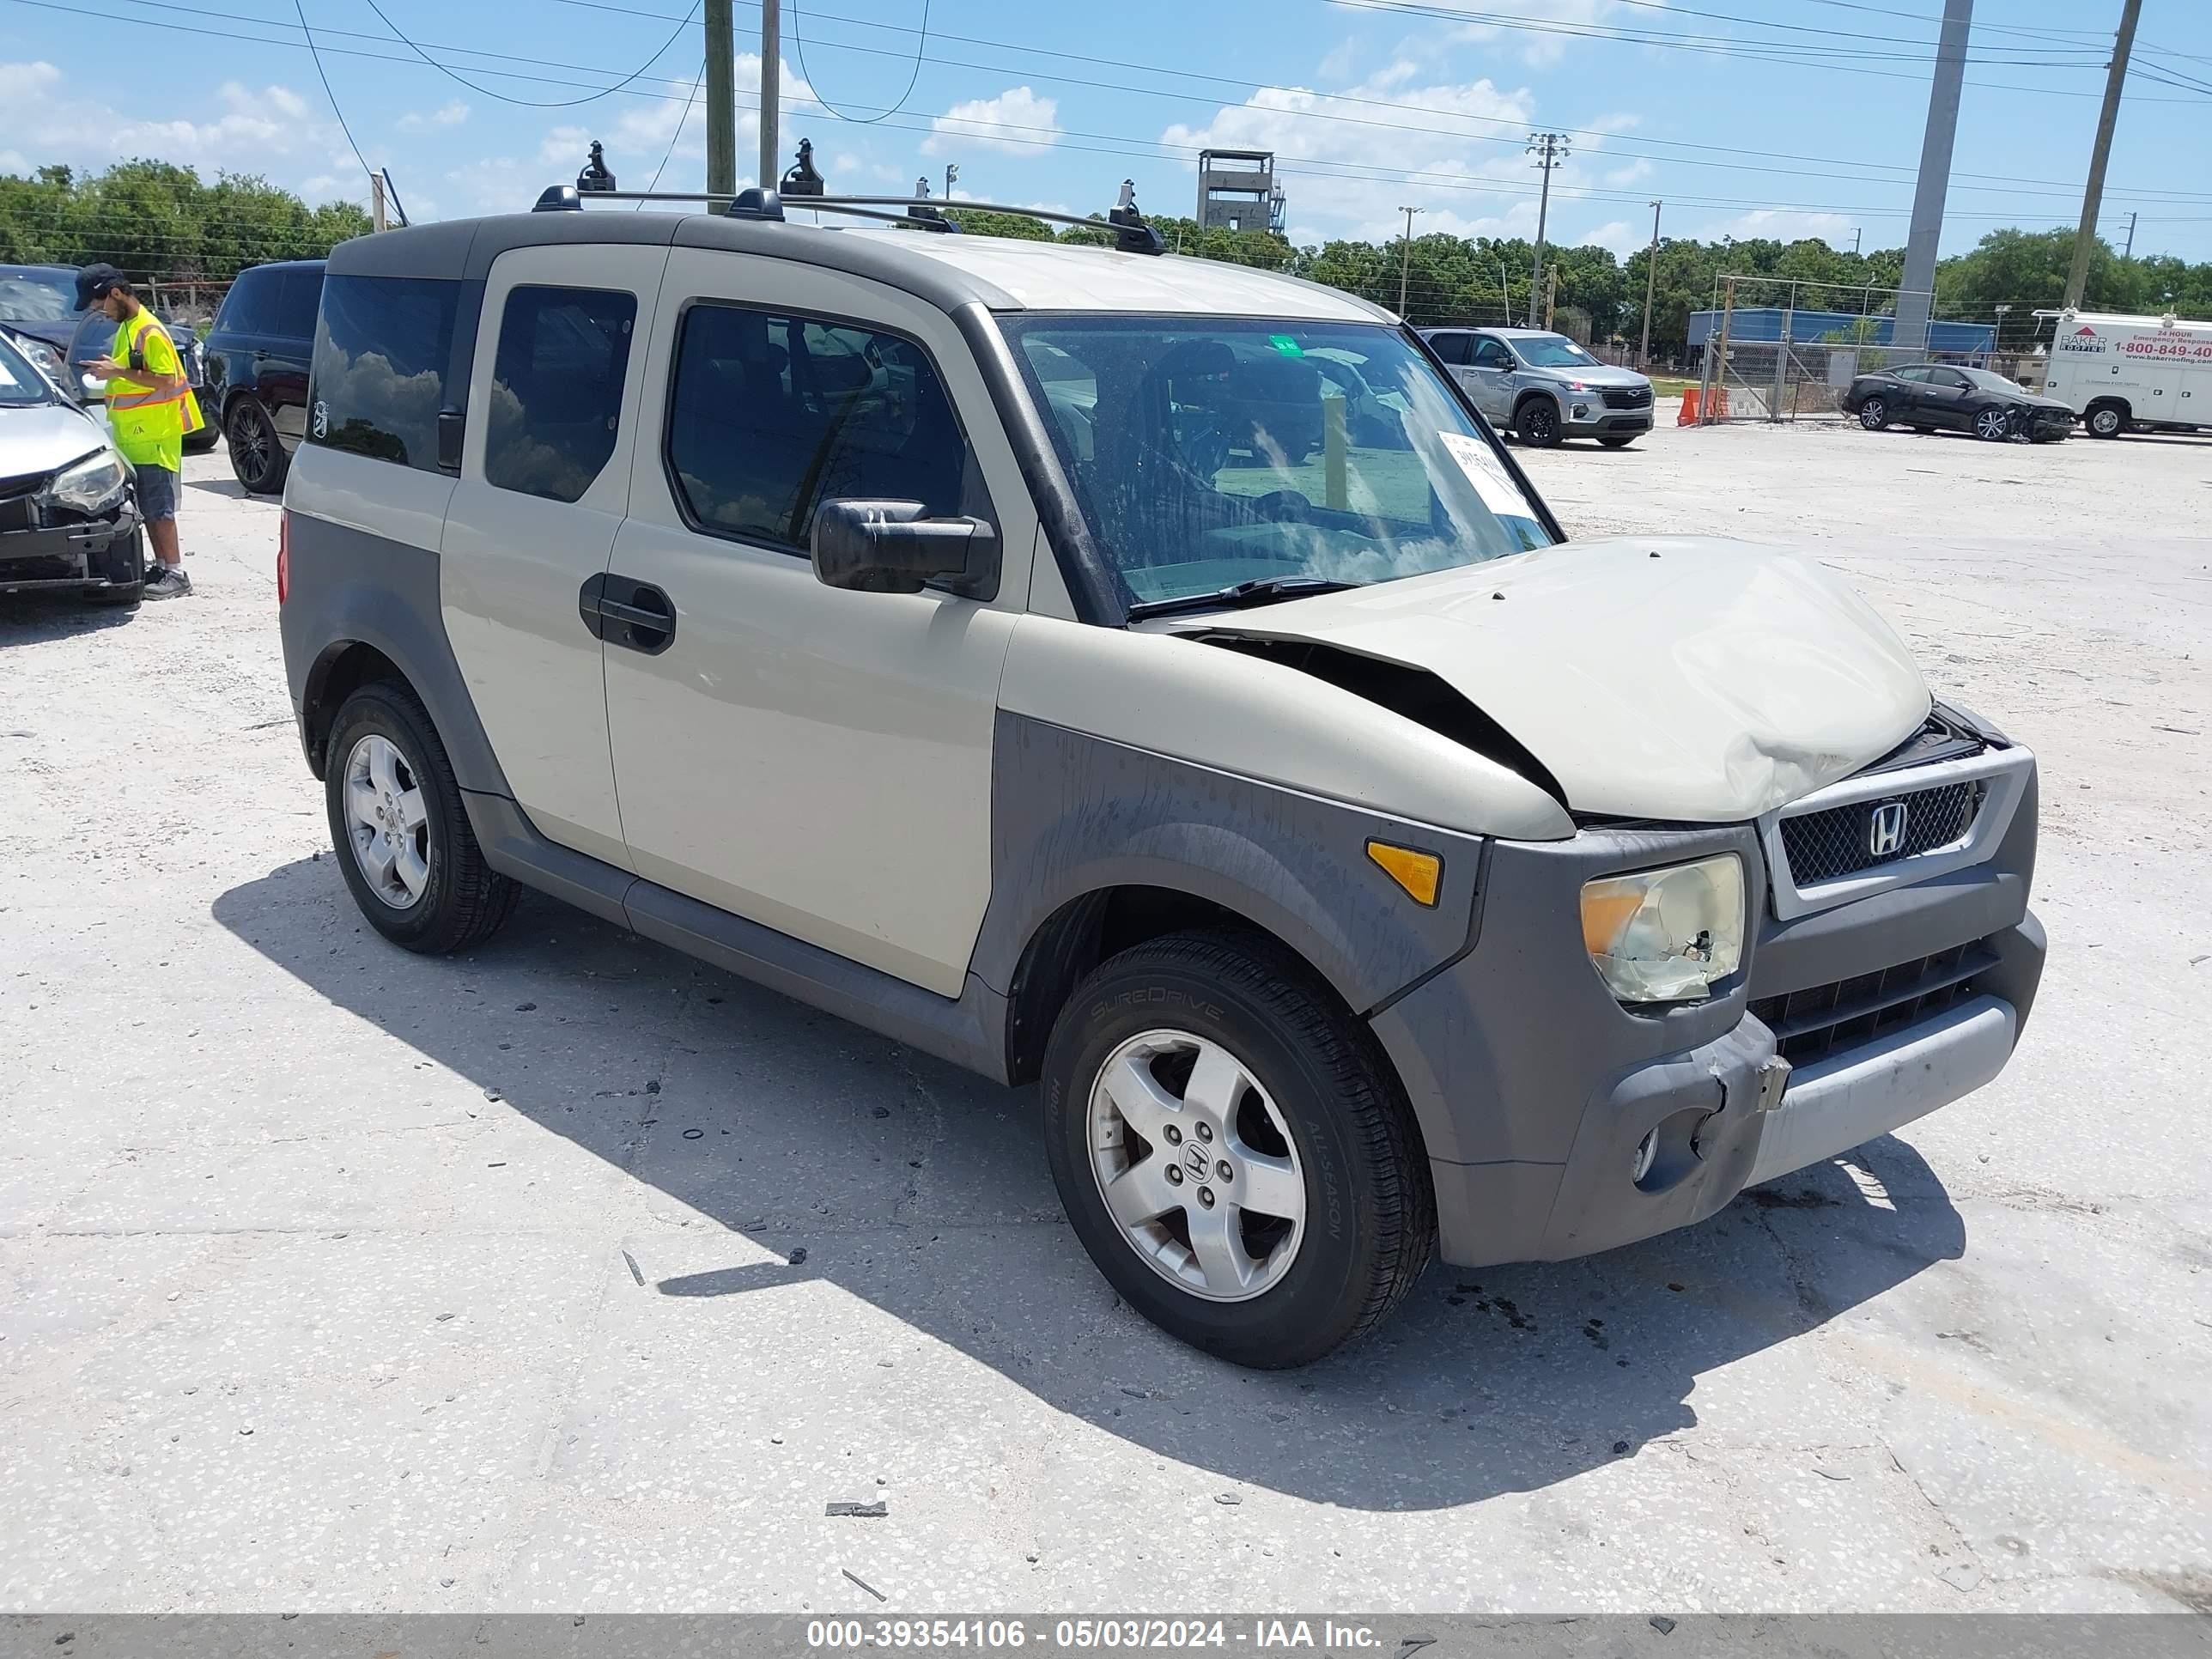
{"x":257,"y":368}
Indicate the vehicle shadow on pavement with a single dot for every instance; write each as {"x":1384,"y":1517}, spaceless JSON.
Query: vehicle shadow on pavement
{"x":229,"y":488}
{"x":41,"y":618}
{"x":923,"y":1190}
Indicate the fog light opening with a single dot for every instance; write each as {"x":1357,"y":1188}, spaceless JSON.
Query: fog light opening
{"x":1647,"y":1150}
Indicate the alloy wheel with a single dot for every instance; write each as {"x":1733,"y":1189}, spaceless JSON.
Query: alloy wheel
{"x":1196,"y":1165}
{"x":252,"y":444}
{"x":387,"y":821}
{"x":1874,"y":414}
{"x":1992,"y":424}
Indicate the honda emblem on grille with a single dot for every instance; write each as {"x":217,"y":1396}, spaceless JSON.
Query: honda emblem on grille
{"x":1885,"y":829}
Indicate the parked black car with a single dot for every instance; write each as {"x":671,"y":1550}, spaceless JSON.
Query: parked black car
{"x":40,"y":301}
{"x":96,"y":333}
{"x":258,"y":356}
{"x":68,"y":517}
{"x":1937,"y":397}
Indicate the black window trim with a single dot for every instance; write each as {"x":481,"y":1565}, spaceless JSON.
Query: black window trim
{"x":456,"y":408}
{"x":985,"y":584}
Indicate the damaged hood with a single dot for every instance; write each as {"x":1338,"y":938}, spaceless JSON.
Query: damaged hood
{"x":1683,"y":678}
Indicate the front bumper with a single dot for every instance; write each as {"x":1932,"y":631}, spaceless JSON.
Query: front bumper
{"x":1535,"y":1089}
{"x":1599,"y":419}
{"x":98,"y":553}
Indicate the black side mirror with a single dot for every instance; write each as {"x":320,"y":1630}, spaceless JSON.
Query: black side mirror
{"x":890,"y":547}
{"x":453,"y":426}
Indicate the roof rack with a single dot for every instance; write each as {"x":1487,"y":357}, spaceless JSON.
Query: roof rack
{"x":1130,"y":232}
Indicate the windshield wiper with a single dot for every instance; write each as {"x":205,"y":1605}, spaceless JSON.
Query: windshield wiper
{"x":1263,"y":590}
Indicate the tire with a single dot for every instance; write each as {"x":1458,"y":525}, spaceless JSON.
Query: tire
{"x":2106,"y":419}
{"x":257,"y":456}
{"x":1319,"y":1125}
{"x":446,"y":897}
{"x":1537,"y":422}
{"x":1993,"y":425}
{"x":1874,"y":414}
{"x":1617,"y":440}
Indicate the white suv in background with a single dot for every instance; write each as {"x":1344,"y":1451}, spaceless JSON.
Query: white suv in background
{"x":1146,"y":678}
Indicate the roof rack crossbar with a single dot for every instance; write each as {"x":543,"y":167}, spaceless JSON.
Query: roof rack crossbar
{"x":1131,"y":234}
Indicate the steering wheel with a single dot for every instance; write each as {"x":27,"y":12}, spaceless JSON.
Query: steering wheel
{"x":1282,"y":507}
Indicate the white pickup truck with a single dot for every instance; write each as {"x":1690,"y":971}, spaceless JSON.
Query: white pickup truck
{"x":2132,"y":373}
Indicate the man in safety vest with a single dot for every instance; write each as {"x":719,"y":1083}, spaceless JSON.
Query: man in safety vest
{"x":150,"y":407}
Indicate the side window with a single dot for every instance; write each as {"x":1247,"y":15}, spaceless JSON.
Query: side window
{"x":246,"y":309}
{"x":1492,"y":354}
{"x":1452,"y":347}
{"x":1949,"y":379}
{"x":556,"y":389}
{"x":381,"y":357}
{"x":769,"y":416}
{"x":297,"y":296}
{"x":1916,"y":375}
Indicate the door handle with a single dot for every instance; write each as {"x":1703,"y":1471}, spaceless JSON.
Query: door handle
{"x":634,"y":615}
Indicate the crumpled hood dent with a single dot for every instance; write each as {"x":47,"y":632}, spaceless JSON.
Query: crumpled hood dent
{"x":1690,"y":678}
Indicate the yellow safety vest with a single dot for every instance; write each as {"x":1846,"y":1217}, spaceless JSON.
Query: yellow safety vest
{"x":149,"y":424}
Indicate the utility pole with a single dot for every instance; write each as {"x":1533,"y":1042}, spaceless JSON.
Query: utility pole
{"x":2129,"y":252}
{"x":1550,"y":150}
{"x":2093,"y":197}
{"x":1405,"y":258}
{"x":721,"y":100}
{"x":771,"y":92}
{"x":952,"y":172}
{"x":1651,"y":282}
{"x":1856,"y":231}
{"x":376,"y":201}
{"x":1910,"y":333}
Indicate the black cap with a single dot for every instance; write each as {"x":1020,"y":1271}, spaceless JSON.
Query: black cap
{"x":94,"y":281}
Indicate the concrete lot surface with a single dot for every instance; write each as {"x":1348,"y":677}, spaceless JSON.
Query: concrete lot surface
{"x":337,"y":1279}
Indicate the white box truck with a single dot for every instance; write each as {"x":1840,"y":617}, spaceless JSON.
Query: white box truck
{"x":2132,"y":373}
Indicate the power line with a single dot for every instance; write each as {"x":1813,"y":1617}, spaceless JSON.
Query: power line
{"x":920,"y":45}
{"x":673,"y":137}
{"x":300,"y":6}
{"x":533,"y":103}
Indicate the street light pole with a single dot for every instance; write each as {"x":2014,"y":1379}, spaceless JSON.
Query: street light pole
{"x":1651,"y":281}
{"x":1405,"y":259}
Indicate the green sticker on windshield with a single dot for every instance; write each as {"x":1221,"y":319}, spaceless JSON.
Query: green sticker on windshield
{"x":1287,"y":345}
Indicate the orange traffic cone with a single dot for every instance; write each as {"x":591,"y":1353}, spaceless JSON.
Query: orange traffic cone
{"x":1689,"y":415}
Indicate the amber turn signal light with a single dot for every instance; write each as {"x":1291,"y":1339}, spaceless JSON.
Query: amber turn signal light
{"x":1418,"y":873}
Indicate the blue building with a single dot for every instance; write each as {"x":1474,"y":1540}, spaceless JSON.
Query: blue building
{"x":1762,"y":325}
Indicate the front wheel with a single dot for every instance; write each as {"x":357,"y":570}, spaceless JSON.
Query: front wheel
{"x":1537,"y":420}
{"x":402,"y":838}
{"x":1993,"y":425}
{"x":1874,"y":414}
{"x":1232,"y":1150}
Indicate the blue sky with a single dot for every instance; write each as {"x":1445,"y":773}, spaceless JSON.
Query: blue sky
{"x":1716,"y":107}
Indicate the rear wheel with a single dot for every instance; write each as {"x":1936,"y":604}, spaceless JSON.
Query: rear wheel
{"x":402,"y":838}
{"x":1233,"y":1150}
{"x":2107,"y":420}
{"x":256,"y":455}
{"x":1874,"y":414}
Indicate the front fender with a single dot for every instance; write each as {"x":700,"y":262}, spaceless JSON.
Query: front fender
{"x":1073,"y":814}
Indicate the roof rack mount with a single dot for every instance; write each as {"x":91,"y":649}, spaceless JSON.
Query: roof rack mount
{"x":1131,"y":234}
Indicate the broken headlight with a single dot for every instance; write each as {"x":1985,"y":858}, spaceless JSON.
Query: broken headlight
{"x":91,"y":485}
{"x":1666,"y":935}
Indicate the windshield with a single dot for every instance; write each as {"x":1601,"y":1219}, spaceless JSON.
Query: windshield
{"x":1990,"y":381}
{"x":20,"y":383}
{"x":29,"y":296}
{"x":1211,"y":452}
{"x":1552,"y":351}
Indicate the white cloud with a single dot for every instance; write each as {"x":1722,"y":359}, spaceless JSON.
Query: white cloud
{"x":1539,"y":46}
{"x":1782,"y":225}
{"x":1623,"y":238}
{"x":1639,"y":168}
{"x":1017,"y":120}
{"x":448,"y":115}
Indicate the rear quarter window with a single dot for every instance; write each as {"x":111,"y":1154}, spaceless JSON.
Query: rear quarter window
{"x":249,"y":307}
{"x":382,"y":354}
{"x":297,"y":297}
